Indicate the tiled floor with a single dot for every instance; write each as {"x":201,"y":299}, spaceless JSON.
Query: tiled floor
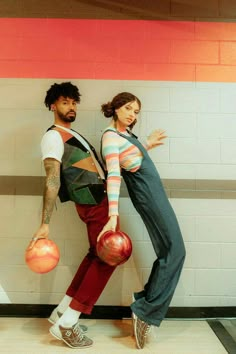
{"x":31,"y":336}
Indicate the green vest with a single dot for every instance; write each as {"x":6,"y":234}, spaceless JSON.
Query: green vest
{"x":80,"y":180}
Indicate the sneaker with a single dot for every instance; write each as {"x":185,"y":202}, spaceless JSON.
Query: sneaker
{"x":55,"y":315}
{"x":73,"y":336}
{"x":134,"y":319}
{"x":141,"y":330}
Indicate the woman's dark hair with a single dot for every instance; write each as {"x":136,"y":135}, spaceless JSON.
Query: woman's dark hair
{"x":65,"y":89}
{"x":108,"y":109}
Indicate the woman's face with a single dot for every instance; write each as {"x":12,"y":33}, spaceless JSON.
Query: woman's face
{"x":126,"y":114}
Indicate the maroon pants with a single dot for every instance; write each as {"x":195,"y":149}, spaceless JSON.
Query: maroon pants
{"x":93,"y":274}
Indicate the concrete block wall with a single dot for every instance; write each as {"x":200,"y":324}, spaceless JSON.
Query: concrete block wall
{"x":183,"y":71}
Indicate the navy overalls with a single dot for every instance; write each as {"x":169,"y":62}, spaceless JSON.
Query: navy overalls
{"x":150,"y":200}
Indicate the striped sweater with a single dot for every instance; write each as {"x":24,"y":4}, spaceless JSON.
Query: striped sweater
{"x":118,"y":153}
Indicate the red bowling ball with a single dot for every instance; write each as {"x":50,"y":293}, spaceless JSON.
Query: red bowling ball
{"x":43,"y":256}
{"x":114,"y":247}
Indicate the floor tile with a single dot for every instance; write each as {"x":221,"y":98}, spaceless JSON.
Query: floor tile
{"x":31,"y":336}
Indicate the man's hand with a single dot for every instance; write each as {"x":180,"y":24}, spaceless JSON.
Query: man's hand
{"x":43,"y":232}
{"x":112,"y":224}
{"x":155,"y":138}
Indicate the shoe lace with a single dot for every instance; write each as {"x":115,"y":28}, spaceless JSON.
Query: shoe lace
{"x":77,"y":330}
{"x":146,"y":328}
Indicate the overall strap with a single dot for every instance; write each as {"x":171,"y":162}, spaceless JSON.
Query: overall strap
{"x":133,"y":139}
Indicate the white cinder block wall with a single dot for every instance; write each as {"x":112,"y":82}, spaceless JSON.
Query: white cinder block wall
{"x":200,"y":123}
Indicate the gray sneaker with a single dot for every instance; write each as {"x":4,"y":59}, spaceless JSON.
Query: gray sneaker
{"x":55,"y":315}
{"x":141,"y":330}
{"x":74,"y":337}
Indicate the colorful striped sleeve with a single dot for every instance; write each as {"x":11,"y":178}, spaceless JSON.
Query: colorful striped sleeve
{"x":111,"y":154}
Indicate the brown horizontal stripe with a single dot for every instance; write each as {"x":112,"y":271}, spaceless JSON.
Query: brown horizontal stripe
{"x":119,"y":9}
{"x":85,"y":9}
{"x":175,"y":188}
{"x":21,"y":185}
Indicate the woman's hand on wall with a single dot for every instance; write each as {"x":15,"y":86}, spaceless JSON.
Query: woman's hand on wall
{"x":156,"y":138}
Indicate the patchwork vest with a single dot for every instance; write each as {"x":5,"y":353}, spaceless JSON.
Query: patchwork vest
{"x":80,"y":180}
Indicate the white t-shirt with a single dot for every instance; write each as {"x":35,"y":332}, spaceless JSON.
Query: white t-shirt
{"x":52,"y":145}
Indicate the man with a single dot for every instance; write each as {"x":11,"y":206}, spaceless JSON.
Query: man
{"x":74,"y":173}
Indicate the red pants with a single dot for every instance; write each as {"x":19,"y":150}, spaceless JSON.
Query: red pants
{"x":93,"y":274}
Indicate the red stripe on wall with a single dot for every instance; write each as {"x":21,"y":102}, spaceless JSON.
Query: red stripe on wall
{"x":118,"y":49}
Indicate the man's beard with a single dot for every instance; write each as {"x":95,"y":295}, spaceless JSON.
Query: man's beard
{"x":66,"y":117}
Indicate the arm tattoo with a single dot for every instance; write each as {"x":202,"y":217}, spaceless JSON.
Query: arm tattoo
{"x":52,"y":185}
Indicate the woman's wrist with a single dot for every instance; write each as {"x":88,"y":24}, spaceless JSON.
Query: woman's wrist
{"x":148,"y":145}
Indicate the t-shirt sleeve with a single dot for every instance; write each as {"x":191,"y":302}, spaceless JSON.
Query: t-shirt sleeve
{"x":52,"y":145}
{"x":110,"y":151}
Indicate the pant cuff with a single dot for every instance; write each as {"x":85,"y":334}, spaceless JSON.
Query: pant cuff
{"x":76,"y":305}
{"x":152,"y":322}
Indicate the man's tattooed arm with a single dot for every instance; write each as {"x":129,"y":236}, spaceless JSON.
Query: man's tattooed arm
{"x":52,"y":185}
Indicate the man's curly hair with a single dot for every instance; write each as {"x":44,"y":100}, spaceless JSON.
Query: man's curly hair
{"x":65,"y":89}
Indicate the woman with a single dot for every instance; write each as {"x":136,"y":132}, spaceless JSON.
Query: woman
{"x":125,"y":155}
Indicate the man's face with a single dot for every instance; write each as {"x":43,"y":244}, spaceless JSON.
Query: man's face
{"x":65,"y":109}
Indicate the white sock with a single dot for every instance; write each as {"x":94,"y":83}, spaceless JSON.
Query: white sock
{"x":63,"y":305}
{"x":69,"y":318}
